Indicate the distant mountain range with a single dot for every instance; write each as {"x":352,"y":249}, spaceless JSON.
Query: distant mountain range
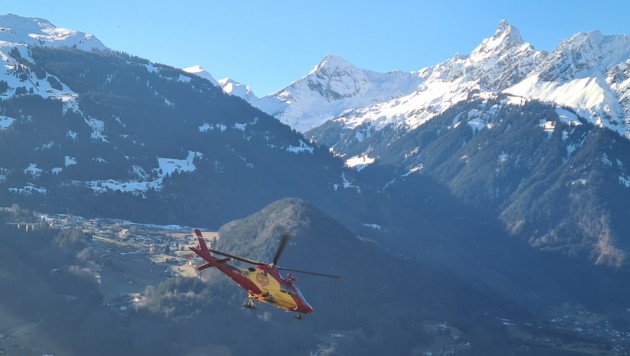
{"x":587,"y":73}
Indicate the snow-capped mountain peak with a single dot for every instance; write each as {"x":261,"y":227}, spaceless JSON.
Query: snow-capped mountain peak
{"x":497,"y":63}
{"x":332,"y":87}
{"x":587,"y":72}
{"x":228,"y":85}
{"x":200,"y":72}
{"x":506,"y":33}
{"x":233,"y":87}
{"x":35,"y":31}
{"x":332,"y":64}
{"x":335,"y":78}
{"x":336,"y":89}
{"x":505,"y":38}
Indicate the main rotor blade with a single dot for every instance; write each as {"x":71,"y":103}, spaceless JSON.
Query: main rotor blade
{"x":247,"y":260}
{"x":311,"y":273}
{"x":283,"y":244}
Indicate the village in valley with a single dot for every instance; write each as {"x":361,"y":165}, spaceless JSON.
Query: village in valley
{"x":127,"y":257}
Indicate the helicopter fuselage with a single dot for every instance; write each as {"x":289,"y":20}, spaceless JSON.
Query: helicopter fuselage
{"x":263,"y":283}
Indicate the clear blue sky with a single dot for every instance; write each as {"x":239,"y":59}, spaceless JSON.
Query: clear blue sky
{"x":269,"y":44}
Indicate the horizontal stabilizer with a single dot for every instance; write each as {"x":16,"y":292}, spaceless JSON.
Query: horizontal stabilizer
{"x":213,"y":263}
{"x":207,"y":265}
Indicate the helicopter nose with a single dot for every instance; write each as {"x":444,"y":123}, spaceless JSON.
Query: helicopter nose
{"x":304,"y":307}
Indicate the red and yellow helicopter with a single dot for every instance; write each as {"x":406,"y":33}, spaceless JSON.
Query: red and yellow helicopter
{"x":263,"y":282}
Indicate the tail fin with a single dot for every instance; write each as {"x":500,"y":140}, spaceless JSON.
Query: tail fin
{"x":202,"y":243}
{"x":202,"y":249}
{"x":203,"y":252}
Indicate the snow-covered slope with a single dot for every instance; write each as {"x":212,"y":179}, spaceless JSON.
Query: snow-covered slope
{"x":16,"y":34}
{"x":589,"y":73}
{"x":199,"y":71}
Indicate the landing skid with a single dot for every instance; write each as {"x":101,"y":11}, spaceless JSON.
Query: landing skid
{"x":250,"y":305}
{"x":299,"y":317}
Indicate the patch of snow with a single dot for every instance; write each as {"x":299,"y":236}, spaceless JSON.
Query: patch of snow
{"x":70,"y":161}
{"x":345,"y":183}
{"x":607,"y":162}
{"x":33,"y":170}
{"x":476,"y":124}
{"x":415,"y":169}
{"x":139,"y":172}
{"x":373,"y":226}
{"x":5,"y":122}
{"x":303,"y":147}
{"x":45,"y":146}
{"x":515,"y":100}
{"x":152,"y":68}
{"x":204,"y":128}
{"x":359,"y":162}
{"x":568,"y":117}
{"x":28,"y":190}
{"x":168,"y":166}
{"x":548,"y":126}
{"x":70,"y":102}
{"x":581,"y":181}
{"x":207,"y":127}
{"x":98,"y":128}
{"x":134,"y":187}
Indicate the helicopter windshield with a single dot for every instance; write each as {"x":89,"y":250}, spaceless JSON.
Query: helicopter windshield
{"x":297,"y":290}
